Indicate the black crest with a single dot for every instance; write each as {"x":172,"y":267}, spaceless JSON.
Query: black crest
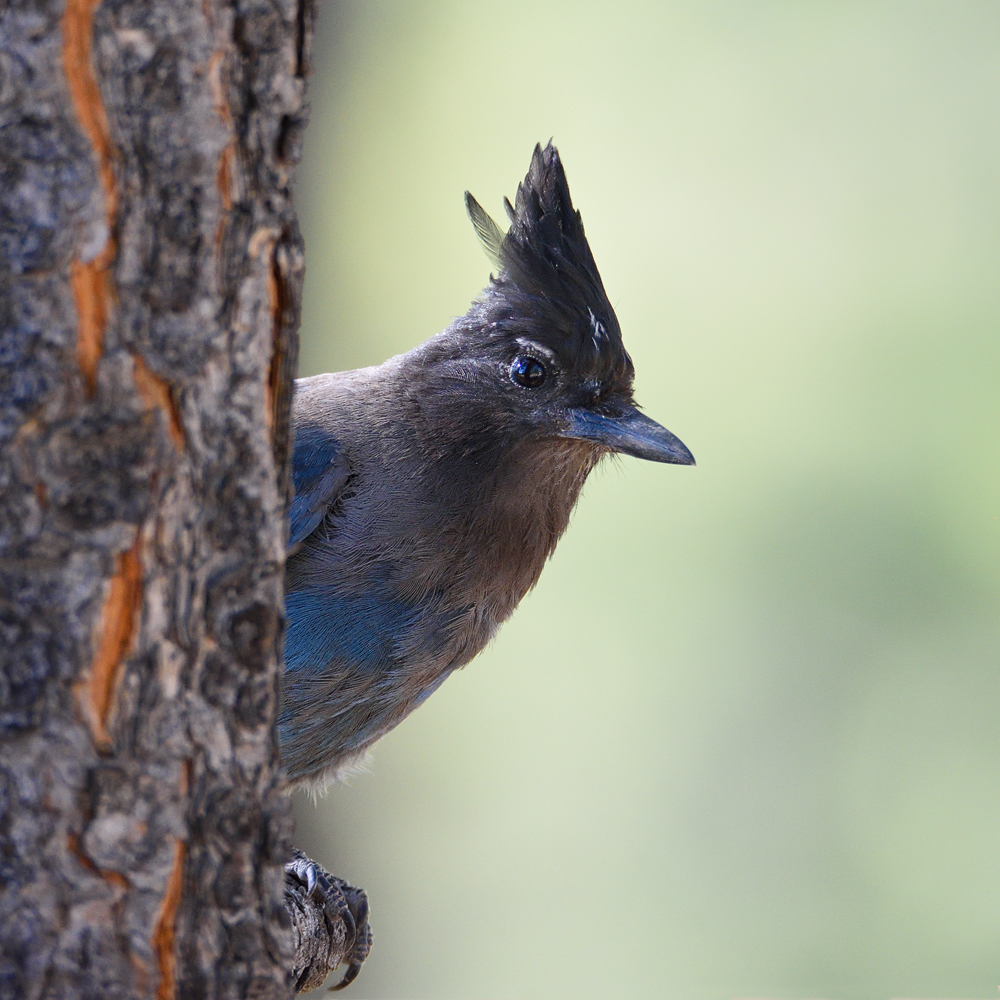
{"x":548,"y":286}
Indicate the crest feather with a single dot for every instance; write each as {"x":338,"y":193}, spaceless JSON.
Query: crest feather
{"x":546,"y":250}
{"x":490,"y":234}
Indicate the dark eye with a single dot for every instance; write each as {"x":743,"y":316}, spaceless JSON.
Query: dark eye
{"x":527,"y":372}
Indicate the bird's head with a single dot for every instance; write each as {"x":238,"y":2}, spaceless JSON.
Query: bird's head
{"x":542,"y":345}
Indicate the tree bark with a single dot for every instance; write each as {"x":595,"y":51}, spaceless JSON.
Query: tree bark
{"x":150,"y":282}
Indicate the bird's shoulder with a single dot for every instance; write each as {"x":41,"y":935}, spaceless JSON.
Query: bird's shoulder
{"x":321,"y":465}
{"x":320,"y":470}
{"x":346,"y":423}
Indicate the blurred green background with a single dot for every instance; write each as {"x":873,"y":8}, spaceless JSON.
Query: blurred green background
{"x":743,"y":739}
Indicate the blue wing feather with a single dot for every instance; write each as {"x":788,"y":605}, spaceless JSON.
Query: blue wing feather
{"x":319,"y":471}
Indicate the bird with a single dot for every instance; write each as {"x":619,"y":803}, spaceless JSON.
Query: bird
{"x":430,"y":490}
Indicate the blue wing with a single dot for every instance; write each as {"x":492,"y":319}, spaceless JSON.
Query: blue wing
{"x":319,"y":470}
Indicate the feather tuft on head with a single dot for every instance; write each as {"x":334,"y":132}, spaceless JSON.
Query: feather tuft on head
{"x":489,"y":233}
{"x":547,"y":278}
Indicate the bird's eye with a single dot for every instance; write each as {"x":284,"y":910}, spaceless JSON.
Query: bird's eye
{"x":527,"y":372}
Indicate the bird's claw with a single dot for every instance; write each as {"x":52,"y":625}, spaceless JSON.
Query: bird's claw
{"x":305,"y":870}
{"x":341,"y":903}
{"x":357,"y":902}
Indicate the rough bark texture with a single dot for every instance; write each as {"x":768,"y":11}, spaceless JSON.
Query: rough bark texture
{"x":150,"y":280}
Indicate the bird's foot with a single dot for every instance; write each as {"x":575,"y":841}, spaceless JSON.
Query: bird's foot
{"x":343,"y":906}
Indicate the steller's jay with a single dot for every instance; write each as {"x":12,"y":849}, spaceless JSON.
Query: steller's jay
{"x":430,"y":490}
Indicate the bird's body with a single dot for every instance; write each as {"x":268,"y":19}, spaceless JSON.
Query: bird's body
{"x":430,"y":490}
{"x":426,"y":577}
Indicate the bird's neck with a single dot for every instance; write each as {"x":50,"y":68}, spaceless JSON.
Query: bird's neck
{"x":514,"y":511}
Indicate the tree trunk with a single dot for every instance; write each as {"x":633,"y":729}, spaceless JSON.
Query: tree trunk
{"x":150,"y":281}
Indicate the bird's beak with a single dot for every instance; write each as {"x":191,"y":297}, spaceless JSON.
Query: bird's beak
{"x":631,"y":434}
